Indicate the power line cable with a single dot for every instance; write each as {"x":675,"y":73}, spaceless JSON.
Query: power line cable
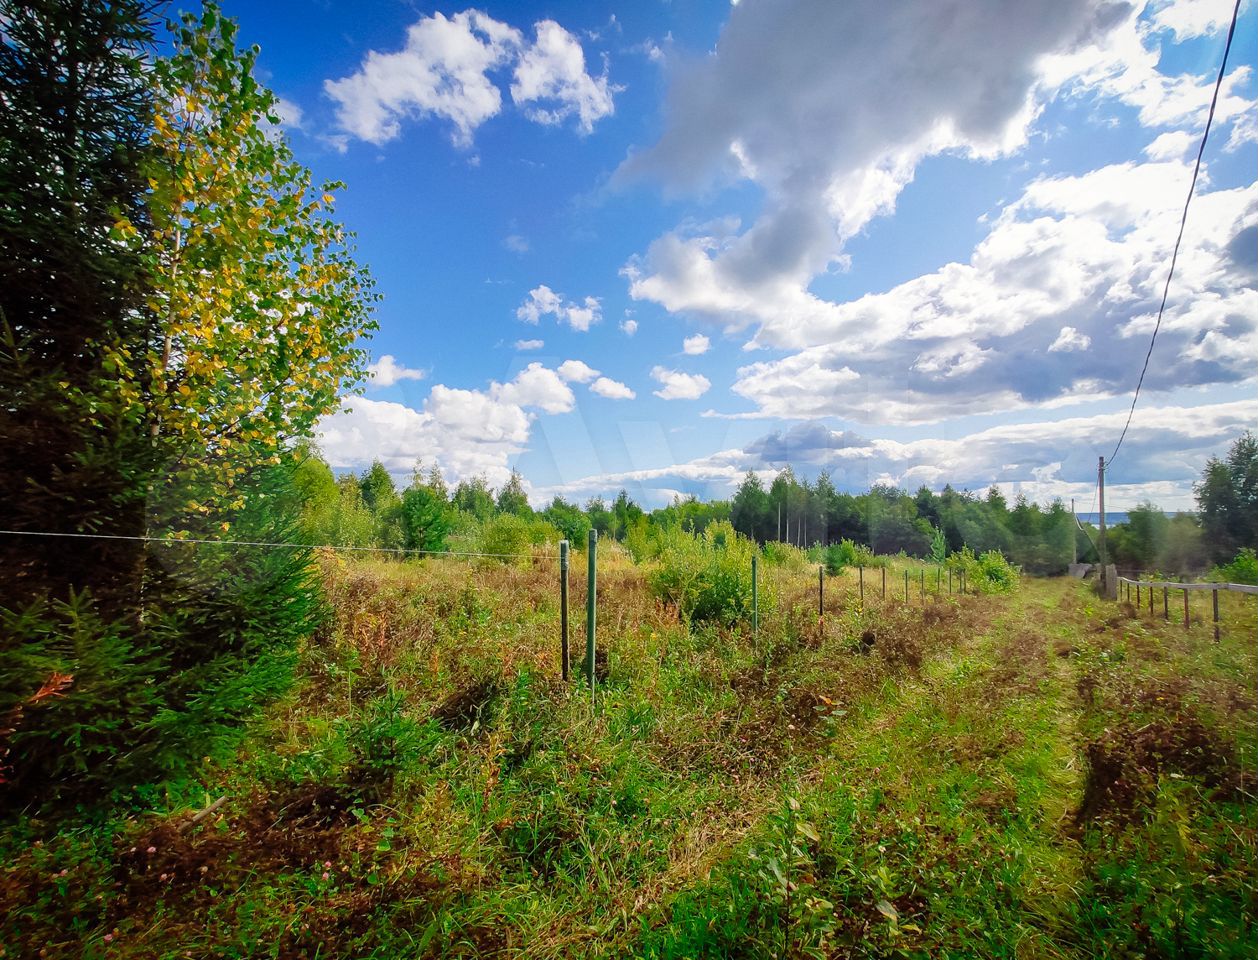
{"x":278,"y":544}
{"x":1182,"y":222}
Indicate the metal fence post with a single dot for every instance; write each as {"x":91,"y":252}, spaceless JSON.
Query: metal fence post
{"x":861,"y":569}
{"x":1215,"y":591}
{"x":1166,"y":603}
{"x":563,"y":608}
{"x":906,"y":587}
{"x":884,"y":583}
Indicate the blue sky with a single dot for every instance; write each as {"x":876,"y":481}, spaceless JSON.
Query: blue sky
{"x":655,"y":245}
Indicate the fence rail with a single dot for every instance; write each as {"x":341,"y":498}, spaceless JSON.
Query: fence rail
{"x":1145,"y":589}
{"x":1234,"y":587}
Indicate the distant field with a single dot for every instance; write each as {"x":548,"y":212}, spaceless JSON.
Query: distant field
{"x":1039,"y":774}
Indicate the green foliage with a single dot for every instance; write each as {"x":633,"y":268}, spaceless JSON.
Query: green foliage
{"x":133,"y":702}
{"x":423,"y":519}
{"x":259,"y":303}
{"x":379,"y":492}
{"x":838,"y":556}
{"x":938,"y":547}
{"x":1227,"y":497}
{"x":513,"y":537}
{"x":73,"y":458}
{"x":512,"y":498}
{"x":475,"y":497}
{"x":179,"y":310}
{"x":988,"y":572}
{"x":1242,"y":569}
{"x":784,"y":555}
{"x":570,"y":520}
{"x":383,"y":738}
{"x":78,"y":692}
{"x":707,"y":575}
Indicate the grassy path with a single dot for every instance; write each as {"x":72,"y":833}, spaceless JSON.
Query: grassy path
{"x":933,"y":823}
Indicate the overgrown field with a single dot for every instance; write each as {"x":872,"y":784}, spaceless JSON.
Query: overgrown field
{"x":1034,"y":774}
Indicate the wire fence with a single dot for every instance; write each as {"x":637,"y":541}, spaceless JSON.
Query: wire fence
{"x":393,"y":551}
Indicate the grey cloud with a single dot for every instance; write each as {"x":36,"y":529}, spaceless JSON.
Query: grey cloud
{"x":1161,"y":457}
{"x":1242,"y":251}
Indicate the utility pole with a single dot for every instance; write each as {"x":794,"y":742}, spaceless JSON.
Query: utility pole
{"x":1074,"y":534}
{"x":1100,"y":487}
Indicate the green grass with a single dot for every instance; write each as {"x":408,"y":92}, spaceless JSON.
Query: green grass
{"x":431,"y":789}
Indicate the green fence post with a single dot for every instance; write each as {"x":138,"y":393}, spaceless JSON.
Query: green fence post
{"x":861,"y":568}
{"x":563,"y":608}
{"x":906,"y":587}
{"x":821,"y":591}
{"x":590,"y":611}
{"x":884,"y":583}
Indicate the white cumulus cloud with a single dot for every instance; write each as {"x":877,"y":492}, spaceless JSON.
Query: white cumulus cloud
{"x":1070,"y":339}
{"x":386,"y":371}
{"x":445,"y":70}
{"x":551,"y":81}
{"x":543,"y":301}
{"x":676,"y":385}
{"x":442,"y":71}
{"x":696,"y":345}
{"x":1083,"y":252}
{"x":612,"y":389}
{"x":577,"y":371}
{"x":466,"y":432}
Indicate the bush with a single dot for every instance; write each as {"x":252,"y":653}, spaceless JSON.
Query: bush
{"x":988,"y":572}
{"x":382,"y":738}
{"x":101,"y":702}
{"x":507,"y":535}
{"x":848,"y":553}
{"x":514,"y":537}
{"x":1242,"y":569}
{"x":707,"y":575}
{"x":785,"y":556}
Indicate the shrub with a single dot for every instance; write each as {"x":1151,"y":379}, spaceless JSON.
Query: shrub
{"x":508,"y":535}
{"x":707,"y":575}
{"x":988,"y":572}
{"x":1242,"y":569}
{"x":98,"y":701}
{"x":382,"y":738}
{"x":514,"y":537}
{"x":847,"y":553}
{"x":785,"y":556}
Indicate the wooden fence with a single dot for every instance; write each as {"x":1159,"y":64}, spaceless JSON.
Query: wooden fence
{"x":1147,"y":587}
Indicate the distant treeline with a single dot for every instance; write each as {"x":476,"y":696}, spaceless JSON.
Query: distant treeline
{"x":369,"y":510}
